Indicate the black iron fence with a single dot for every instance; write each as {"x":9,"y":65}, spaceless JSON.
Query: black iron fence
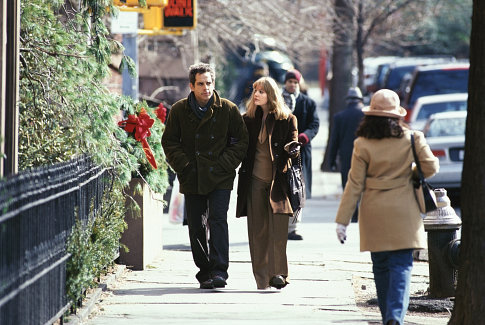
{"x":38,"y":210}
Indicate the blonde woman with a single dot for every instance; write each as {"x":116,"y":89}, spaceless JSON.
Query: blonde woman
{"x":262,"y":187}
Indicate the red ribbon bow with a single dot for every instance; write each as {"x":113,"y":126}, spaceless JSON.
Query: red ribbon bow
{"x":141,"y":125}
{"x":161,"y":112}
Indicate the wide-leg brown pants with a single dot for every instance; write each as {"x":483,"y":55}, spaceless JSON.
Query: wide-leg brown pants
{"x":268,"y":235}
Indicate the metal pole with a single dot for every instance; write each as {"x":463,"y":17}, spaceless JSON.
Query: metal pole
{"x":12,"y":88}
{"x":130,"y":84}
{"x":3,"y":50}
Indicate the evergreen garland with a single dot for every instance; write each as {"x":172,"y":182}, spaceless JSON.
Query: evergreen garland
{"x":66,"y":110}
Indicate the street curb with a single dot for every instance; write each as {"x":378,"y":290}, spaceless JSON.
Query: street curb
{"x":92,"y":298}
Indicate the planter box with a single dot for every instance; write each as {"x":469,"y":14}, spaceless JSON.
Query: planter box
{"x":143,"y":237}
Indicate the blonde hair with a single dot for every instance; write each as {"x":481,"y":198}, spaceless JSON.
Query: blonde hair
{"x":276,"y":104}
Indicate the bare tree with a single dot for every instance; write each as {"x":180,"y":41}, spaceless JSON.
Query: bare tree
{"x":298,"y":27}
{"x":383,"y":25}
{"x":469,"y":307}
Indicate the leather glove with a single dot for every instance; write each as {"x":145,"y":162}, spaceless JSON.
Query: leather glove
{"x":341,"y":232}
{"x":303,"y":139}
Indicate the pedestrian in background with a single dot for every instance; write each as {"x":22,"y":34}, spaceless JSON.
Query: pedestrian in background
{"x":262,"y":185}
{"x":390,"y":222}
{"x":305,"y":110}
{"x":342,"y":135}
{"x":205,"y":140}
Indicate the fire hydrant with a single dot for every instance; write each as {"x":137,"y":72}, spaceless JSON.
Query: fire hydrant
{"x":442,"y":225}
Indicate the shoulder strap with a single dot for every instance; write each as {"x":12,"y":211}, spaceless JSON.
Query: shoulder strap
{"x":416,"y":160}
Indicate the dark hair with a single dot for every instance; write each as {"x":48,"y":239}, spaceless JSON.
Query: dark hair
{"x":197,"y":68}
{"x":379,"y":127}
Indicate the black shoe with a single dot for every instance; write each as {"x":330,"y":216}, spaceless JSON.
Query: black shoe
{"x":294,"y":236}
{"x":207,"y":284}
{"x":218,"y":281}
{"x":278,"y":282}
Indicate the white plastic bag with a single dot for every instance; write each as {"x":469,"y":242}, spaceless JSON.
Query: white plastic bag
{"x":176,"y":208}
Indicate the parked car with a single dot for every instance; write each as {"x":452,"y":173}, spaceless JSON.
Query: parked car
{"x":445,"y":134}
{"x":371,"y":65}
{"x":435,"y":79}
{"x":428,"y":105}
{"x":400,"y":67}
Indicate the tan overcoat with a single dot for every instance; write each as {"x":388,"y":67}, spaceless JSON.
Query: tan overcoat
{"x":381,"y":177}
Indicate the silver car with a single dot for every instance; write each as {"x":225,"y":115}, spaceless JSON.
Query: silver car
{"x":445,"y":134}
{"x":427,"y":105}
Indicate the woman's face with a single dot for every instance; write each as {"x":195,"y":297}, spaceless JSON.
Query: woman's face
{"x":260,"y":97}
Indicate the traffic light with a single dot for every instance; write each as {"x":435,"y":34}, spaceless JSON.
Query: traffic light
{"x":162,"y":17}
{"x":152,"y":18}
{"x":180,"y":14}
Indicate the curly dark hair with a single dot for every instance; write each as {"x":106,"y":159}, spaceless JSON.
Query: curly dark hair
{"x":378,"y":127}
{"x":197,"y":68}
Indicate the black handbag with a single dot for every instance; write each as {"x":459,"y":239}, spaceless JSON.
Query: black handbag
{"x":424,"y":192}
{"x":296,"y":186}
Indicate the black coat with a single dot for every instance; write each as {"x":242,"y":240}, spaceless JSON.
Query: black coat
{"x":342,"y":137}
{"x":308,"y":123}
{"x":280,"y":133}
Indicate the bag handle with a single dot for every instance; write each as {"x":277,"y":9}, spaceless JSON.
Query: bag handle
{"x":298,"y":160}
{"x":416,"y":160}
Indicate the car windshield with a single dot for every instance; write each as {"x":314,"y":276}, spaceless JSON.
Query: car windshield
{"x":439,"y":82}
{"x":444,"y":127}
{"x":429,"y":109}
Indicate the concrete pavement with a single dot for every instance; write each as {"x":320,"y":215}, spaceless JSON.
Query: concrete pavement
{"x":321,"y":274}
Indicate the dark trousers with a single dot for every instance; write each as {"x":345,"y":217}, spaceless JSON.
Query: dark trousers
{"x":209,"y":239}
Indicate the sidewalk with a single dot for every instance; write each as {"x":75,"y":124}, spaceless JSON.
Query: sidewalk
{"x":321,"y":275}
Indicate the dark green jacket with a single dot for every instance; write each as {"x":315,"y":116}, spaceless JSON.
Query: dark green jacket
{"x":205,"y":153}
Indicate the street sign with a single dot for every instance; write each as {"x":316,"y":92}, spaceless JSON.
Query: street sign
{"x":125,"y":23}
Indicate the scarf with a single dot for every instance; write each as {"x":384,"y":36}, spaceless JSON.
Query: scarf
{"x":290,"y":99}
{"x":198,"y":110}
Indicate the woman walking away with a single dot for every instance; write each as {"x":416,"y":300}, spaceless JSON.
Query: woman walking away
{"x":390,"y":223}
{"x":262,"y":186}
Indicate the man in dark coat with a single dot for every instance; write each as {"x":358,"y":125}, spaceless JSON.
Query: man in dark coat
{"x":305,"y":110}
{"x":342,"y":135}
{"x":205,"y":139}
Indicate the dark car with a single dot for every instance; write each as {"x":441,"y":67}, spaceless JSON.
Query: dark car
{"x":435,"y":79}
{"x":400,"y":67}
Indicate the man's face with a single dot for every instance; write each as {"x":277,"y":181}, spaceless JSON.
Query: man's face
{"x":292,"y":85}
{"x":203,"y":88}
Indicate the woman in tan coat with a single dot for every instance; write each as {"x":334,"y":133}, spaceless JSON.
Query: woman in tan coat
{"x":381,"y":177}
{"x":262,"y":186}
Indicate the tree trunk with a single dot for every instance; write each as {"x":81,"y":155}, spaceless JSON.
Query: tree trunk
{"x":341,"y":61}
{"x":359,"y":46}
{"x":469,"y":307}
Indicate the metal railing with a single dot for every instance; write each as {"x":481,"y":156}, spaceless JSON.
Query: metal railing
{"x":38,"y":209}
